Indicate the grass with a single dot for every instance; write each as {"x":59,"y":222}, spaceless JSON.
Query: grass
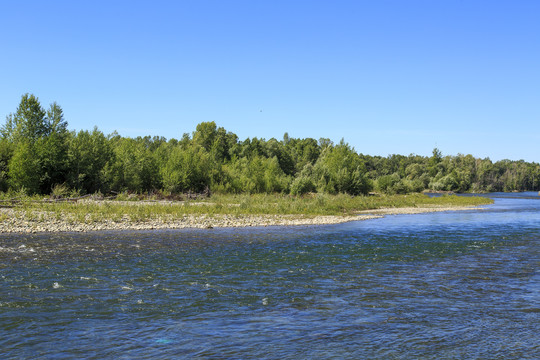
{"x":236,"y":205}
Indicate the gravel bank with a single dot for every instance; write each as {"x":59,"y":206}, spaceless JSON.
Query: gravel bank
{"x":16,"y":221}
{"x":417,"y":210}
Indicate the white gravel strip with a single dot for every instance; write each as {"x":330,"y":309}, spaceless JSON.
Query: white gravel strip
{"x":17,"y":221}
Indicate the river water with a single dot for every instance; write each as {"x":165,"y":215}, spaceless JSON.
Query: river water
{"x":453,"y":285}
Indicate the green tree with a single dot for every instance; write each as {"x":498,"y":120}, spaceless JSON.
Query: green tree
{"x":339,"y":169}
{"x":32,"y":131}
{"x":276,"y":149}
{"x":434,"y":161}
{"x":88,"y":155}
{"x":205,"y":134}
{"x":52,"y":150}
{"x":24,"y":168}
{"x":186,"y":170}
{"x":132,"y":166}
{"x":257,"y":174}
{"x":6,"y":153}
{"x":28,"y":122}
{"x":303,"y":183}
{"x":303,"y":152}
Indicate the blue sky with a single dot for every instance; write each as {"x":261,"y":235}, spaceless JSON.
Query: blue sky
{"x":390,"y":77}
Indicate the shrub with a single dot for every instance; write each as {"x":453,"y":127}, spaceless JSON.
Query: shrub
{"x":302,"y":185}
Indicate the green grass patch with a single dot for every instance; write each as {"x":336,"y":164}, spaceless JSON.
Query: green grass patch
{"x":260,"y":204}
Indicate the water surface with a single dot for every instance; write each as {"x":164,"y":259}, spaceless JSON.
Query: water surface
{"x":431,"y":286}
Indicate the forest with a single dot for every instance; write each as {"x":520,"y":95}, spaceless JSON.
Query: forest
{"x":39,"y":155}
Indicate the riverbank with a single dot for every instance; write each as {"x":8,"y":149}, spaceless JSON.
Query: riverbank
{"x":40,"y":220}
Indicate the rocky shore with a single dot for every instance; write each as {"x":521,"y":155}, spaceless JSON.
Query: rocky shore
{"x":17,"y":221}
{"x":416,"y":210}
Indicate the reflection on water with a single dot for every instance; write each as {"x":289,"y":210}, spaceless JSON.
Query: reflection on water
{"x":431,"y":286}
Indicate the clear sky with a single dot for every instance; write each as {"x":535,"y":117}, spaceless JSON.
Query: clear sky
{"x":390,"y":77}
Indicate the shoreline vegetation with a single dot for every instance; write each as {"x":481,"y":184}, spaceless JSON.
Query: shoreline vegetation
{"x":39,"y":215}
{"x":40,"y":155}
{"x":55,"y":179}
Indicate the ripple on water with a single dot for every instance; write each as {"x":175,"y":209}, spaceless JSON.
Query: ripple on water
{"x":431,"y":286}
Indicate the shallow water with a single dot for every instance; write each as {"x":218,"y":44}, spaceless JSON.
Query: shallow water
{"x":440,"y":285}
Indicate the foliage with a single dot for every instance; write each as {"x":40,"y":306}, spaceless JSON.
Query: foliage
{"x":239,"y":205}
{"x":186,"y":170}
{"x":340,"y":170}
{"x":89,"y":154}
{"x":38,"y":154}
{"x":24,"y":169}
{"x":6,"y":153}
{"x":303,"y":183}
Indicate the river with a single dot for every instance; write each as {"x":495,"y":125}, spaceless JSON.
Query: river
{"x":452,"y":285}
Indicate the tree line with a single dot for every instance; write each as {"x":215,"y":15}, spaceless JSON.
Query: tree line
{"x":38,"y":153}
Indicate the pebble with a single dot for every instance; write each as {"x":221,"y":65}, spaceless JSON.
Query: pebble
{"x":16,"y":221}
